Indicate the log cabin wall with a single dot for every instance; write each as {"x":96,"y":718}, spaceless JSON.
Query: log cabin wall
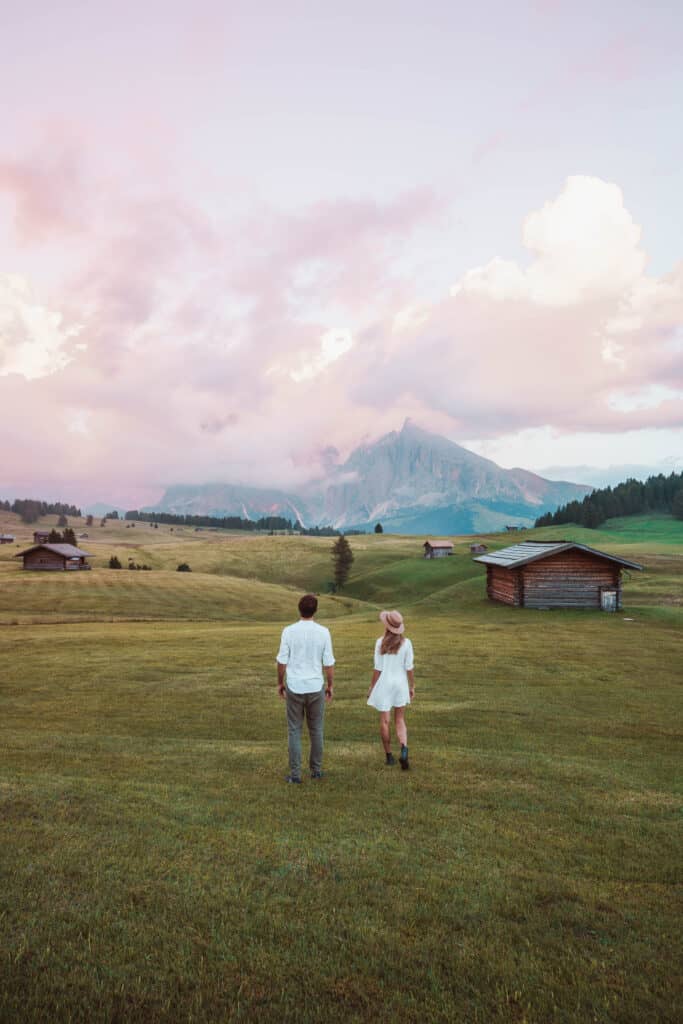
{"x":504,"y":584}
{"x":570,"y":579}
{"x":43,"y":559}
{"x":430,"y":552}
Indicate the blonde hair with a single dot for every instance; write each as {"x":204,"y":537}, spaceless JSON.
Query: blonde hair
{"x":391,"y":642}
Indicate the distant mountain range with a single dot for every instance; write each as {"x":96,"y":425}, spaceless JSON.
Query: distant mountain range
{"x":610,"y":476}
{"x":411,"y":481}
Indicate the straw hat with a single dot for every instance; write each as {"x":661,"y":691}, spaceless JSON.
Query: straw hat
{"x":393,"y":621}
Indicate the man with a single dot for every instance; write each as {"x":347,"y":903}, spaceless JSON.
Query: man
{"x":305,"y":652}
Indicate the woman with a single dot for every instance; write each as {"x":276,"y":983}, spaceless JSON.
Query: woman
{"x":393,"y":683}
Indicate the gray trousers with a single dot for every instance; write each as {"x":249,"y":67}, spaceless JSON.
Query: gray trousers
{"x":310,"y":706}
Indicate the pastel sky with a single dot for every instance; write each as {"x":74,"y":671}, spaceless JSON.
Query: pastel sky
{"x":239,"y":238}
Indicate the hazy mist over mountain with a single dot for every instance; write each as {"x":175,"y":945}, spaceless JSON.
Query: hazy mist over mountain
{"x":609,"y":476}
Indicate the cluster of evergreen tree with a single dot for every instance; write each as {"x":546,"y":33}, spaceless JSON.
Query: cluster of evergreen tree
{"x":68,"y":537}
{"x":319,"y":531}
{"x":206,"y":522}
{"x":266,"y":523}
{"x":31,"y":509}
{"x":634,"y":497}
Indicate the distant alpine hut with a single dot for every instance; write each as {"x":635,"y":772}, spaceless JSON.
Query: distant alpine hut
{"x":6,"y":538}
{"x":555,"y":574}
{"x":478,"y":549}
{"x":437,"y":548}
{"x":54,"y":558}
{"x":41,"y":536}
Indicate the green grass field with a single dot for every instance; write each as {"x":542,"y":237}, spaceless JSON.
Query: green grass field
{"x":155,"y":867}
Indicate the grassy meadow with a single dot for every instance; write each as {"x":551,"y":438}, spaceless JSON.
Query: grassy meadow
{"x":154,"y":866}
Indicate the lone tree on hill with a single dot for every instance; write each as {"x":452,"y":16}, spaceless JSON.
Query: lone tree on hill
{"x":342,"y":560}
{"x":379,"y":528}
{"x":62,"y":521}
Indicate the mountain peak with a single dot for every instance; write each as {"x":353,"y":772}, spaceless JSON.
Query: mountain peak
{"x":414,"y":480}
{"x":410,"y":429}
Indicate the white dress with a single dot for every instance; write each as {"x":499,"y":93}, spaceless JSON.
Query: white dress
{"x":391,"y":689}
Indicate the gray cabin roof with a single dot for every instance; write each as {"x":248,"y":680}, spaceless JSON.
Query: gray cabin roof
{"x":532,"y":550}
{"x":66,"y":550}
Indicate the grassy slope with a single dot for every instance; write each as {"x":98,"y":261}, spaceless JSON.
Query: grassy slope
{"x":243,"y":576}
{"x":155,"y":868}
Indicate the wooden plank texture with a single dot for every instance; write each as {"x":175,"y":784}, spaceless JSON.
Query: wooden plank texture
{"x":569,"y":579}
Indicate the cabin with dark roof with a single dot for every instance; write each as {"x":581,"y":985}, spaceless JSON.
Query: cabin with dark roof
{"x":437,"y":548}
{"x":41,"y":536}
{"x":54,"y":557}
{"x":555,"y":574}
{"x":6,"y":538}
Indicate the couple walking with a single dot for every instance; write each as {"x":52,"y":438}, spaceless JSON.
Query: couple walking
{"x":306,"y":654}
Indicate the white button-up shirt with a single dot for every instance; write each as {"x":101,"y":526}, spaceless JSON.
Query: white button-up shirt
{"x":304,"y":648}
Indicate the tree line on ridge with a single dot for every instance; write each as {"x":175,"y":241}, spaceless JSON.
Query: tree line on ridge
{"x":633,"y":497}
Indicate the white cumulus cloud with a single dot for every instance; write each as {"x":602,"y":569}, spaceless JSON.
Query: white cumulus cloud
{"x":33,"y":339}
{"x":333,"y":345}
{"x":584,"y":246}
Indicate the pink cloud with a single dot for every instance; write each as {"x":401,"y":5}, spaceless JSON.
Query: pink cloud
{"x":244,"y":352}
{"x":47,"y":189}
{"x":525,"y":345}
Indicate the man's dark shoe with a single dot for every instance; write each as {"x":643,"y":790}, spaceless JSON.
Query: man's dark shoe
{"x":290,"y":778}
{"x":390,"y":758}
{"x":317,"y":775}
{"x":403,"y":758}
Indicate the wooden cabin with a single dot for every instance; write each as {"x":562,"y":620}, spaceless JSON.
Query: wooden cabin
{"x":54,"y":557}
{"x":6,"y":538}
{"x":555,"y":574}
{"x":437,"y":548}
{"x":41,"y":536}
{"x":478,"y":549}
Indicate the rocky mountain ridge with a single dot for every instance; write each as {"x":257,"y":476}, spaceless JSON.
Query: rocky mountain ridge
{"x":411,"y":481}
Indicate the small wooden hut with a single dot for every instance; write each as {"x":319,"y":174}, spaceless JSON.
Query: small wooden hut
{"x":54,"y":557}
{"x":555,"y":574}
{"x":478,"y":549}
{"x":41,"y":536}
{"x":6,"y":538}
{"x":437,"y":548}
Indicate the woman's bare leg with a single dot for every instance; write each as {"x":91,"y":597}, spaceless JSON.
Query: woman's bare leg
{"x":400,"y":726}
{"x":385,"y":730}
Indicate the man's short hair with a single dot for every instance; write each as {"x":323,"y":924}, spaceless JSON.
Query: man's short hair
{"x":308,"y":606}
